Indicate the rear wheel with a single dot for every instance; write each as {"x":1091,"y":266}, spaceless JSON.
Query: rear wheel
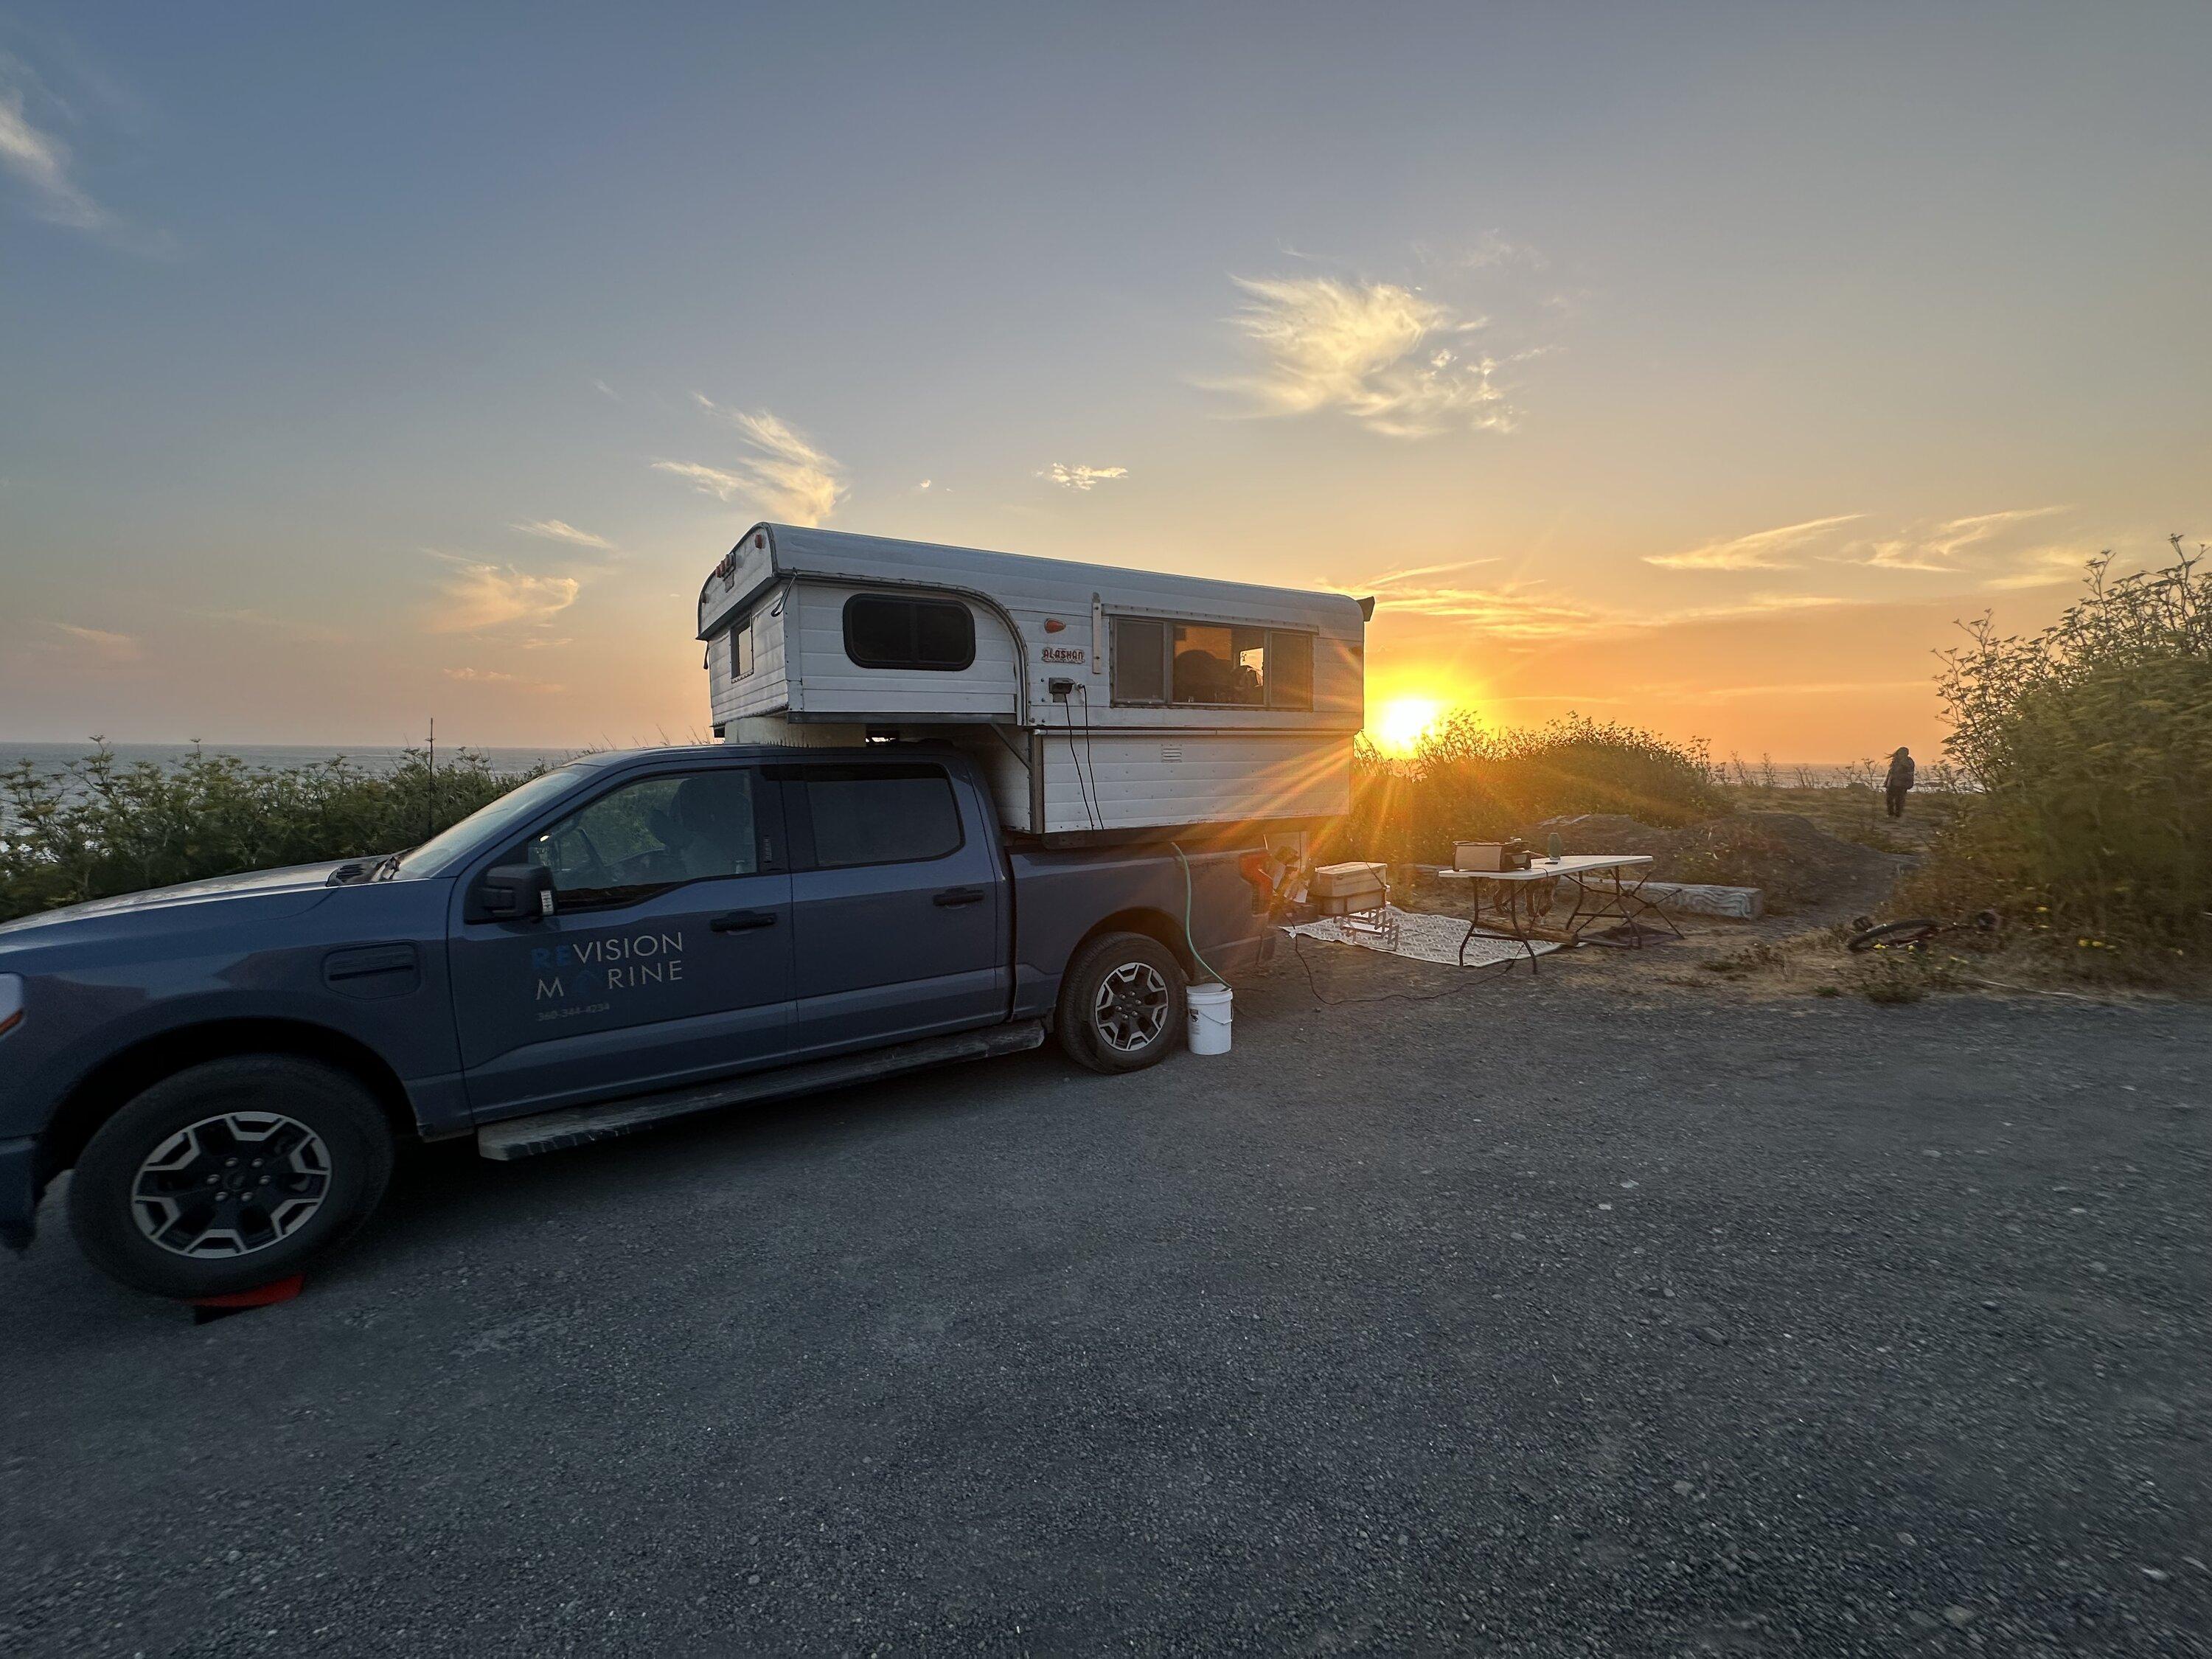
{"x":229,"y":1175}
{"x":1121,"y":1003}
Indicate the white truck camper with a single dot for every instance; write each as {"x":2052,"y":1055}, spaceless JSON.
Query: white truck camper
{"x":1104,"y":704}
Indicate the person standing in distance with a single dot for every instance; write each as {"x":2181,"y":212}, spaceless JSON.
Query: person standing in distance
{"x":1899,"y":784}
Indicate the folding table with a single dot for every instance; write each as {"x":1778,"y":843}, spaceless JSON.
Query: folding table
{"x":1511,"y":897}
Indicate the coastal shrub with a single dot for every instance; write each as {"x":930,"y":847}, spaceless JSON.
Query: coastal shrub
{"x":2090,"y":745}
{"x":101,"y":826}
{"x":1465,"y":781}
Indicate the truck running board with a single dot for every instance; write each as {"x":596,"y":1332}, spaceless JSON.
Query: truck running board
{"x":578,"y":1126}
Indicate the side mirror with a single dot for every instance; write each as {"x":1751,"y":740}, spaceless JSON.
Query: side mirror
{"x":516,"y":893}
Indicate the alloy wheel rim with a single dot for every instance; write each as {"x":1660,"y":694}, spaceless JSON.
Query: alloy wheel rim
{"x":1132,"y":1006}
{"x":231,"y":1184}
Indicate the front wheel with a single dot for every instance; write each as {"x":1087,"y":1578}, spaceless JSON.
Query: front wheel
{"x":229,"y":1175}
{"x":1121,"y":1003}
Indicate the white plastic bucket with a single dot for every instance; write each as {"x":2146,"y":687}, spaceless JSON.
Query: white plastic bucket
{"x":1210,"y":1014}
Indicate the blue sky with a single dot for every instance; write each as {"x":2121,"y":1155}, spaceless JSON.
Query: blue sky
{"x":1694,"y":366}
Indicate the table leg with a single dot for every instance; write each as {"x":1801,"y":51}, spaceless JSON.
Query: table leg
{"x":1524,"y":927}
{"x":1645,"y":907}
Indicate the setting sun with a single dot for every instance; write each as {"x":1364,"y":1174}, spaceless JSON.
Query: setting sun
{"x":1398,"y":725}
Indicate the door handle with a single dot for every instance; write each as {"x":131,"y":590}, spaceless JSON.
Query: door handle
{"x":953,"y":895}
{"x":738,"y":921}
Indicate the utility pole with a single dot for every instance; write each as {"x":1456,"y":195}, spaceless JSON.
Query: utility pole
{"x":430,"y":799}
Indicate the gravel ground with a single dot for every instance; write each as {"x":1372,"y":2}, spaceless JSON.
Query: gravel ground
{"x":1572,"y":1315}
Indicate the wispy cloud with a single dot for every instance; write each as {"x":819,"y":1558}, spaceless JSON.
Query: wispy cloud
{"x":1512,"y":610}
{"x":1080,"y":477}
{"x":1390,"y":576}
{"x":787,"y":476}
{"x":2043,"y":567}
{"x":556,"y":530}
{"x":478,"y":596}
{"x":246,"y":617}
{"x":1528,"y":611}
{"x":1763,"y":550}
{"x":1399,"y":362}
{"x":99,"y":642}
{"x":38,"y":158}
{"x":1951,"y":547}
{"x":2007,"y":549}
{"x":41,"y":161}
{"x":708,"y":480}
{"x":495,"y":677}
{"x":606,"y":391}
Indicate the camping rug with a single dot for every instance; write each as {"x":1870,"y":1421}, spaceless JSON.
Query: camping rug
{"x":1426,"y":938}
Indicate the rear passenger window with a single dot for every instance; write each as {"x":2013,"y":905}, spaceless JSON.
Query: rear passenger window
{"x":888,"y":814}
{"x":884,"y":630}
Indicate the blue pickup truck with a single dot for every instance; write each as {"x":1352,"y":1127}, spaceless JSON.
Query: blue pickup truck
{"x":229,"y":1066}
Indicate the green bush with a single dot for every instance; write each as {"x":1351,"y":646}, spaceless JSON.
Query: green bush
{"x":2091,"y":745}
{"x":102,"y":827}
{"x":1465,"y":781}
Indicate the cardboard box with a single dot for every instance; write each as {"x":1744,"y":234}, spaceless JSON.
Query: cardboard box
{"x":1487,"y":855}
{"x":1339,"y":888}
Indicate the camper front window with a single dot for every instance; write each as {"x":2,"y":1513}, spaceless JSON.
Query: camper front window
{"x":885,"y":630}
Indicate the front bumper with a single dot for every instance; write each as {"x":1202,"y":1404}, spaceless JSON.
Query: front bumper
{"x":19,"y":1193}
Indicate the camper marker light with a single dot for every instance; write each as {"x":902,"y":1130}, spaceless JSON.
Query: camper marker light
{"x":11,"y":1002}
{"x":1053,"y":625}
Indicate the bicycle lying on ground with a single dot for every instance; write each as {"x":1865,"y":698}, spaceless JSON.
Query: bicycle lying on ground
{"x":1914,"y":932}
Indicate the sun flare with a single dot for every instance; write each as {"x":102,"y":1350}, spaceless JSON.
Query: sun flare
{"x":1398,"y":727}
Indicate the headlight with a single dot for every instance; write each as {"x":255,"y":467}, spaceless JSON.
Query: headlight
{"x":11,"y":1002}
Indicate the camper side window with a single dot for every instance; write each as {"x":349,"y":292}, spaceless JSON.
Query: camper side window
{"x":1221,"y":666}
{"x":1140,"y":659}
{"x":741,"y":651}
{"x":1209,"y":666}
{"x":1290,"y":671}
{"x":883,"y":631}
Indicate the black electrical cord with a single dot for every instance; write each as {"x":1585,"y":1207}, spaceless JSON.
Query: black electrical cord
{"x":1090,"y":754}
{"x":1075,"y":759}
{"x":1297,"y":949}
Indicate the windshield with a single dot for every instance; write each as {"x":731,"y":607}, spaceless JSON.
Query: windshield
{"x":489,"y":822}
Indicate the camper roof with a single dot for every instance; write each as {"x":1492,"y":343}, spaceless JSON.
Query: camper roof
{"x":1012,"y":581}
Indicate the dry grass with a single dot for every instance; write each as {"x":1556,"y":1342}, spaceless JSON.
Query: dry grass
{"x":1855,"y":813}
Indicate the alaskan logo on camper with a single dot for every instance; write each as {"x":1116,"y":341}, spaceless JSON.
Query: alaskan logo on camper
{"x":1064,"y":654}
{"x":612,"y":962}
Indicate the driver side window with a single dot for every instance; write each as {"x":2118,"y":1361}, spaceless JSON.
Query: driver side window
{"x":649,"y":835}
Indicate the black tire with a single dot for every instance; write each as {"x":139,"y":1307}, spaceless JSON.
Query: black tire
{"x":1141,"y":983}
{"x":186,"y":1158}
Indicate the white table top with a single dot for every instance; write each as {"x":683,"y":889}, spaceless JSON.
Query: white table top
{"x":1574,"y":864}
